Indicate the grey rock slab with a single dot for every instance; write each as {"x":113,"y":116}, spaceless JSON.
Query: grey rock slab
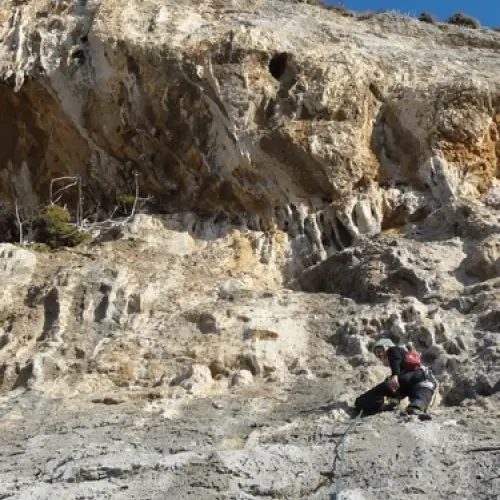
{"x":282,"y":447}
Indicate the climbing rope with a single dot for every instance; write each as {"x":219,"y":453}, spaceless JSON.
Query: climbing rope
{"x":339,"y":456}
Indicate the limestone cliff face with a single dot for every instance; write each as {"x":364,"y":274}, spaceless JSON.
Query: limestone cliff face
{"x":310,"y":129}
{"x":316,"y":180}
{"x":284,"y":114}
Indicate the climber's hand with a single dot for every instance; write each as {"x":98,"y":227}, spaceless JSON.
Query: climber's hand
{"x":394,"y":383}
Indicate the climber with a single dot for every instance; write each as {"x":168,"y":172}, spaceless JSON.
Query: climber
{"x":408,"y":379}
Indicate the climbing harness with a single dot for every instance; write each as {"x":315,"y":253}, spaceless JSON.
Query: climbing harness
{"x":434,"y":394}
{"x":339,"y":456}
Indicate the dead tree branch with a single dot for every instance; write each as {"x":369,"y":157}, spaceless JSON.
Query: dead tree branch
{"x":74,"y":181}
{"x":57,"y":179}
{"x":20,"y":224}
{"x":136,"y":180}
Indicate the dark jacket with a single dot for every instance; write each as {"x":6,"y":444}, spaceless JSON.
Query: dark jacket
{"x":396,"y":357}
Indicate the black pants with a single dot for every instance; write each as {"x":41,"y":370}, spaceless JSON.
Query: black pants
{"x":409,"y":387}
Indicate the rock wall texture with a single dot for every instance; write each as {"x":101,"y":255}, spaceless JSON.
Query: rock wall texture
{"x":310,"y":181}
{"x":365,"y":122}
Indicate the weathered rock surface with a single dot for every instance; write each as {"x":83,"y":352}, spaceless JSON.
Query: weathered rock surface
{"x":220,"y":111}
{"x":17,"y":266}
{"x":272,"y":444}
{"x":118,"y":323}
{"x":484,"y":260}
{"x":316,"y":181}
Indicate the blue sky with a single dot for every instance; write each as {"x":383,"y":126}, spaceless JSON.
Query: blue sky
{"x":487,"y":11}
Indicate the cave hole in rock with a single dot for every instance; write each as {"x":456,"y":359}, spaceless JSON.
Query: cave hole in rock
{"x":333,"y":237}
{"x":78,"y":55}
{"x":324,"y":240}
{"x":354,"y":216}
{"x":23,"y":375}
{"x":51,"y":313}
{"x":101,"y":310}
{"x":277,"y":65}
{"x":346,"y":239}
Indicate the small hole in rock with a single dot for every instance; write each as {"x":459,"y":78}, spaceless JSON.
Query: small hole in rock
{"x":354,"y":216}
{"x":344,"y":235}
{"x":324,"y":240}
{"x":277,"y":65}
{"x":79,"y":55}
{"x":333,"y":237}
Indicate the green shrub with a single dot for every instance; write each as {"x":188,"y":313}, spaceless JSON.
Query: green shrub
{"x":126,"y":201}
{"x":339,"y":7}
{"x":372,"y":14}
{"x":54,"y":229}
{"x":366,"y":16}
{"x":460,"y":19}
{"x":425,"y":17}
